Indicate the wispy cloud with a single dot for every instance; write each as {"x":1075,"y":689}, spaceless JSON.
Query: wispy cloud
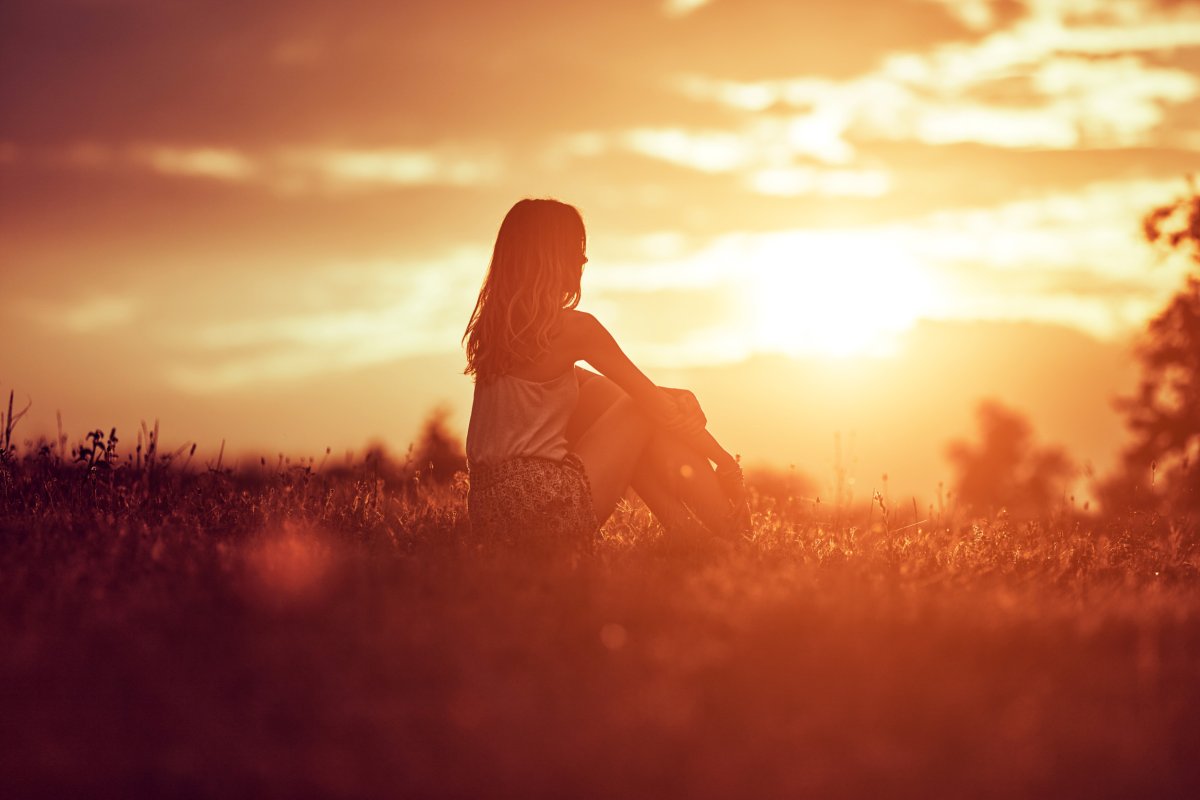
{"x":292,"y":170}
{"x":1051,"y":258}
{"x":803,"y":180}
{"x":701,"y":150}
{"x":1063,"y":76}
{"x":764,"y":156}
{"x":394,"y":311}
{"x":200,"y":162}
{"x":397,"y":167}
{"x":977,"y":15}
{"x":1062,"y":103}
{"x":87,"y":315}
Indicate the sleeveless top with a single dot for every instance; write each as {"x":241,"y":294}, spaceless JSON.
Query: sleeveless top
{"x":512,"y":417}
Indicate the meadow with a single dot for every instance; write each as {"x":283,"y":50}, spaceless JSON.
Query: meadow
{"x":291,"y":630}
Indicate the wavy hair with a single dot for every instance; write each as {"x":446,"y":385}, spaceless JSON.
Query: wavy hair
{"x":534,"y":274}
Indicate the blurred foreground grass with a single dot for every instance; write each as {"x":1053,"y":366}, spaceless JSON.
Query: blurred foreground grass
{"x":296,"y":633}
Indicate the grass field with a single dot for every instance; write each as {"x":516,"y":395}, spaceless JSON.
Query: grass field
{"x":299,"y":632}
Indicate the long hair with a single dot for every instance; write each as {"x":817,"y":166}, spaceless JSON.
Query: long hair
{"x":534,"y":274}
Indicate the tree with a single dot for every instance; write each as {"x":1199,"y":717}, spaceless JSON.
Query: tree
{"x":1164,"y":413}
{"x":438,"y":453}
{"x":1006,"y":469}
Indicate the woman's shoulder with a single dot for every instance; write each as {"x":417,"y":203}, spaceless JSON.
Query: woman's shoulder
{"x":578,"y":325}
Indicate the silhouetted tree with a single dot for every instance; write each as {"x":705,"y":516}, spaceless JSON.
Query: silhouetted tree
{"x":1164,"y":413}
{"x":438,"y":453}
{"x":1006,"y":469}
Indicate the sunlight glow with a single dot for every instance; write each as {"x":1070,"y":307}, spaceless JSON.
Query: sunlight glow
{"x":681,"y":8}
{"x":833,"y":294}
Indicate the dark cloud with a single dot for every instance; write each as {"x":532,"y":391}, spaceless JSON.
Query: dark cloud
{"x":370,"y":71}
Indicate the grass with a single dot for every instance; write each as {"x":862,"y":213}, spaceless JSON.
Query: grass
{"x":170,"y":630}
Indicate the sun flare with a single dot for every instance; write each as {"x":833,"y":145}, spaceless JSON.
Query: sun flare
{"x":833,"y":294}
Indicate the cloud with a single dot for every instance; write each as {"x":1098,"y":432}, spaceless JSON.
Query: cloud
{"x":701,"y":150}
{"x":1061,"y":103}
{"x":201,"y":162}
{"x":764,"y":156}
{"x":788,"y":128}
{"x":1070,"y":257}
{"x":1096,"y":226}
{"x":1064,"y":76}
{"x":961,"y":66}
{"x":292,"y":170}
{"x":394,"y":167}
{"x":978,"y":15}
{"x":803,"y":180}
{"x":98,"y":313}
{"x":365,"y":314}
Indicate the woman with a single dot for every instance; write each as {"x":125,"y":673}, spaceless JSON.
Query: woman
{"x":551,"y":447}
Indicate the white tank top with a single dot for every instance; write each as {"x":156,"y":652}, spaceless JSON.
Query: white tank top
{"x":512,"y":416}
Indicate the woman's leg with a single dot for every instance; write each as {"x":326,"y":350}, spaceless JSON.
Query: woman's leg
{"x":610,"y":449}
{"x":670,"y":470}
{"x":667,"y":473}
{"x":596,"y":395}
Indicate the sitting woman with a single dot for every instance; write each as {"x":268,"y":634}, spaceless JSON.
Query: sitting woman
{"x":551,"y":447}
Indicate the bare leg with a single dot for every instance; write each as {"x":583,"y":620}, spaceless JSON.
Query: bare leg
{"x":597,"y":395}
{"x":669,"y":476}
{"x":610,"y":449}
{"x":669,"y":469}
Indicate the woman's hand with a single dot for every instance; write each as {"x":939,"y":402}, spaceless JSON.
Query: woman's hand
{"x":688,"y":417}
{"x":687,"y":403}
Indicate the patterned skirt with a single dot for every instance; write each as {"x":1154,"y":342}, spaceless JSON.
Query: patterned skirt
{"x":534,"y":502}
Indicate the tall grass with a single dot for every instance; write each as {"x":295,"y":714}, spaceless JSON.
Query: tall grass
{"x":298,"y":629}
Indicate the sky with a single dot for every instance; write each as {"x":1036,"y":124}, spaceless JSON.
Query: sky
{"x":266,"y":223}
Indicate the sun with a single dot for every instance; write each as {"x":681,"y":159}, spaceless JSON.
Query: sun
{"x":833,"y":294}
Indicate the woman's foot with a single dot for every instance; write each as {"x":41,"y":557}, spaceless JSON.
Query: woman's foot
{"x":733,"y":484}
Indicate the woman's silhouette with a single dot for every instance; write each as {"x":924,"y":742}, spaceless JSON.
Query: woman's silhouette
{"x":551,"y":447}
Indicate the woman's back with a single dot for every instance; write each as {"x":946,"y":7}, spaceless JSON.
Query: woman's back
{"x":525,"y":482}
{"x":512,"y":416}
{"x":525,"y":411}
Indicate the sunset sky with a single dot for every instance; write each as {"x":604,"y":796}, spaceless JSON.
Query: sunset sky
{"x":267,"y":222}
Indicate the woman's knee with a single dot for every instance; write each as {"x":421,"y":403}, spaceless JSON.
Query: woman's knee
{"x":596,"y":396}
{"x":617,"y":438}
{"x":627,"y":409}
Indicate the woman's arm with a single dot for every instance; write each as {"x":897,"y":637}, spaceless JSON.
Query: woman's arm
{"x":683,"y":399}
{"x":598,"y":348}
{"x":685,"y":402}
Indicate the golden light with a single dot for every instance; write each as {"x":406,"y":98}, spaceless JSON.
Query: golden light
{"x":834,"y":294}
